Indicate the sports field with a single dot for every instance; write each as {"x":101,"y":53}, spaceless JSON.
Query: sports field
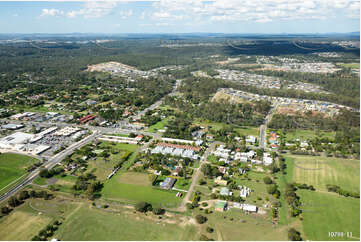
{"x":320,"y":171}
{"x":89,"y":223}
{"x":130,"y":189}
{"x":12,"y":167}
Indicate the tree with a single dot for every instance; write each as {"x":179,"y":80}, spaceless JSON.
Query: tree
{"x":143,"y":207}
{"x":201,"y":219}
{"x":5,"y":210}
{"x":24,"y":195}
{"x":209,"y":230}
{"x":44,"y":173}
{"x":267,"y":180}
{"x":271,"y":189}
{"x":294,"y":235}
{"x":158,"y":211}
{"x":13,"y":202}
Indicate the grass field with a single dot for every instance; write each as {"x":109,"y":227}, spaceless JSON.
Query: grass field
{"x":323,"y":213}
{"x":319,"y":171}
{"x":21,"y":225}
{"x":352,"y":65}
{"x":228,"y":226}
{"x":159,"y":125}
{"x":29,"y":218}
{"x":217,"y":126}
{"x":308,"y":134}
{"x":136,"y":189}
{"x":95,"y":224}
{"x":12,"y":166}
{"x":102,"y":167}
{"x":248,"y":131}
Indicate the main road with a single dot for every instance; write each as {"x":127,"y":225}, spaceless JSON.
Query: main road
{"x":49,"y":164}
{"x":263,"y":127}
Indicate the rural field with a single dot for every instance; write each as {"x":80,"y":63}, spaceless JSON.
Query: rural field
{"x":320,"y":171}
{"x":89,"y":223}
{"x":342,"y":215}
{"x":134,"y":187}
{"x":235,"y":225}
{"x":12,"y":166}
{"x":32,"y":216}
{"x":342,"y":212}
{"x":352,"y":65}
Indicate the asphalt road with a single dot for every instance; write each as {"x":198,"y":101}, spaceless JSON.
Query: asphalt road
{"x":263,"y":127}
{"x":196,"y":175}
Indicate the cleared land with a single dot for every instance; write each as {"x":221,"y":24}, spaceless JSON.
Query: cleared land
{"x":12,"y":166}
{"x":320,"y":171}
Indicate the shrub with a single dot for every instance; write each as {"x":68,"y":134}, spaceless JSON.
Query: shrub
{"x":209,"y":230}
{"x":294,"y":235}
{"x":158,"y":211}
{"x":267,"y":180}
{"x":201,"y":219}
{"x":143,"y":207}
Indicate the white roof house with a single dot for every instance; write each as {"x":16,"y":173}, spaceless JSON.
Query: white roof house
{"x":267,"y":161}
{"x":251,"y":139}
{"x":249,"y":207}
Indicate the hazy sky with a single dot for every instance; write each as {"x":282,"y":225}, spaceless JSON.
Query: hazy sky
{"x":180,"y":16}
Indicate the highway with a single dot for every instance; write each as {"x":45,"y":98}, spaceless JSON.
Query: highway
{"x":49,"y":164}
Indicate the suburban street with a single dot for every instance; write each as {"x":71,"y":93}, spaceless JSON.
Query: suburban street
{"x":196,"y":175}
{"x":263,"y":127}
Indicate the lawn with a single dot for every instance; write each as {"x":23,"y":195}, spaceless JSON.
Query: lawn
{"x":159,"y":125}
{"x":131,"y":191}
{"x":248,"y":131}
{"x":328,"y":212}
{"x":12,"y":167}
{"x":308,"y":134}
{"x":320,"y":171}
{"x":95,"y":224}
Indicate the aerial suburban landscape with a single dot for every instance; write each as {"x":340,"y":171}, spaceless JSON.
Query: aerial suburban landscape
{"x":179,"y":137}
